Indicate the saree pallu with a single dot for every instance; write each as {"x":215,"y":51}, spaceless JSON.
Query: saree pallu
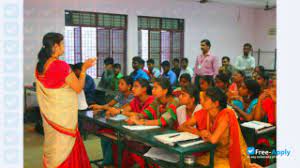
{"x":63,"y":146}
{"x":231,"y":148}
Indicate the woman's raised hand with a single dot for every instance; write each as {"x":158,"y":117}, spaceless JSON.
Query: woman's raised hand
{"x":89,"y":63}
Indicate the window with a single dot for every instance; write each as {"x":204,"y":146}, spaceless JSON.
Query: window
{"x":89,"y":34}
{"x":160,"y":38}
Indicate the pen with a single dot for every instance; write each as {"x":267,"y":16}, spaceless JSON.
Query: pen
{"x":172,"y":136}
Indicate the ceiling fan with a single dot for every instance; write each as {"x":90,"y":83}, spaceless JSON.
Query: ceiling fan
{"x":267,"y":7}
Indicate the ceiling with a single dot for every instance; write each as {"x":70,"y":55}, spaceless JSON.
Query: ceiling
{"x":248,"y":3}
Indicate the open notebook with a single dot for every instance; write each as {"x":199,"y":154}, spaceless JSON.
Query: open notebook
{"x":183,"y":139}
{"x":139,"y":127}
{"x":258,"y":125}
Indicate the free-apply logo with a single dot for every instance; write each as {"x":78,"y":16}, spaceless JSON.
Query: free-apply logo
{"x":251,"y":150}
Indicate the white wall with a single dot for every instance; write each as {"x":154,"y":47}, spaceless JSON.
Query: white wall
{"x":227,"y":26}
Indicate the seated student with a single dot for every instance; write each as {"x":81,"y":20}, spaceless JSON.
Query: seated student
{"x":185,"y":79}
{"x":162,"y":111}
{"x":117,"y":77}
{"x":168,"y":73}
{"x":266,"y":106}
{"x":205,"y":82}
{"x":176,"y":69}
{"x":122,"y":98}
{"x":153,"y":72}
{"x":248,"y":97}
{"x":185,"y":68}
{"x":188,"y":100}
{"x":226,"y":67}
{"x":137,"y":70}
{"x":237,"y":79}
{"x":89,"y":86}
{"x":263,"y":79}
{"x":222,"y":81}
{"x":258,"y":69}
{"x":222,"y":129}
{"x":140,"y":101}
{"x":105,"y":85}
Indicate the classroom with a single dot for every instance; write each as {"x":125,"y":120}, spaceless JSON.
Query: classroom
{"x":160,"y":83}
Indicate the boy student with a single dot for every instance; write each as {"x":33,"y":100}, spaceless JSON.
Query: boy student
{"x":168,"y":73}
{"x":185,"y":67}
{"x":176,"y":68}
{"x":137,"y":70}
{"x":153,"y":72}
{"x":105,"y":85}
{"x":117,"y":77}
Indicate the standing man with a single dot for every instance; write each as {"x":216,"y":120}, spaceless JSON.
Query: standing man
{"x":206,"y":64}
{"x":246,"y":62}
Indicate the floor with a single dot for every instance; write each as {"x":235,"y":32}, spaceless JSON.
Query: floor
{"x":33,"y":143}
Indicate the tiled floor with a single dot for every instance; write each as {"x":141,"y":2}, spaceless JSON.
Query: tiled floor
{"x":33,"y":147}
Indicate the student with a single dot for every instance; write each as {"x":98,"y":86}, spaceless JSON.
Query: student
{"x":185,"y":79}
{"x":188,"y":100}
{"x":223,"y":130}
{"x":258,"y":69}
{"x":176,"y":69}
{"x":137,"y":71}
{"x":140,"y":101}
{"x":205,"y":82}
{"x":117,"y":77}
{"x":142,"y":66}
{"x":226,"y":67}
{"x":104,"y":88}
{"x":89,"y":86}
{"x":222,"y":81}
{"x":246,"y":62}
{"x":167,"y":73}
{"x":185,"y":68}
{"x":123,"y":98}
{"x":237,"y":79}
{"x":162,"y":111}
{"x":248,"y":97}
{"x":263,"y":79}
{"x":153,"y":72}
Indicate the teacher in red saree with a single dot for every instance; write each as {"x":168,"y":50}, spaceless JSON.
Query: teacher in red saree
{"x":57,"y":89}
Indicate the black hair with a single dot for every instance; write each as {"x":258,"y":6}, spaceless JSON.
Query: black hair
{"x":242,"y":73}
{"x":78,"y":66}
{"x":186,"y":76}
{"x":137,"y":59}
{"x":226,"y":57}
{"x":261,"y":68}
{"x":216,"y":94}
{"x":71,"y":66}
{"x":192,"y":91}
{"x":128,"y":80}
{"x":109,"y":61}
{"x":49,"y":40}
{"x":253,"y":87}
{"x":143,"y":82}
{"x":223,"y":77}
{"x":165,"y":64}
{"x":117,"y":65}
{"x":207,"y":42}
{"x":264,"y":75}
{"x":150,"y":61}
{"x":176,"y":60}
{"x":209,"y":79}
{"x":142,"y":62}
{"x":165,"y":84}
{"x":185,"y":59}
{"x":248,"y":45}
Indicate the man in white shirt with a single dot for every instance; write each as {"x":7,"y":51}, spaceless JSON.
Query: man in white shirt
{"x":185,"y":68}
{"x":246,"y":62}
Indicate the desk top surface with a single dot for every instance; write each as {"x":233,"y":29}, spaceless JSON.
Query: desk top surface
{"x":147,"y":136}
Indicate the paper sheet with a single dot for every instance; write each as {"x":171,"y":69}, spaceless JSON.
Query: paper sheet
{"x":256,"y":125}
{"x":90,"y":114}
{"x":118,"y":117}
{"x":139,"y":127}
{"x":175,"y":137}
{"x":161,"y":154}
